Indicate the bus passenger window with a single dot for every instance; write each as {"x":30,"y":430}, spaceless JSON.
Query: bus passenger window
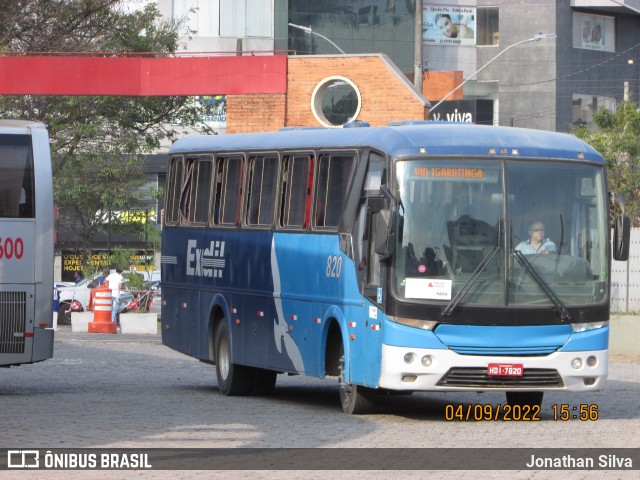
{"x":261,"y":194}
{"x":172,"y":206}
{"x":334,"y":177}
{"x":231,"y":190}
{"x":195,"y":195}
{"x":295,"y":190}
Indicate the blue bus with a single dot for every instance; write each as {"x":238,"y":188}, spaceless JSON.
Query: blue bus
{"x":392,"y":258}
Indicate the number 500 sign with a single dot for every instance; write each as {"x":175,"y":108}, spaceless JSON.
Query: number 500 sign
{"x":11,"y":248}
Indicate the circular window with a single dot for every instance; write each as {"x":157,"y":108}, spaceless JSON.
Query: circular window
{"x":335,"y":101}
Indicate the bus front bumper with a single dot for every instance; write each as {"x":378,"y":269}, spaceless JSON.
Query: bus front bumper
{"x":420,"y":369}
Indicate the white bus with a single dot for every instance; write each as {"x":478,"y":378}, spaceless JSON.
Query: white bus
{"x":26,"y":243}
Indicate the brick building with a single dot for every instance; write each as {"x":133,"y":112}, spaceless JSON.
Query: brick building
{"x":312,"y":80}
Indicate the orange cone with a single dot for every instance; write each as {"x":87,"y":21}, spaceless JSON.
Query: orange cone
{"x":102,"y":312}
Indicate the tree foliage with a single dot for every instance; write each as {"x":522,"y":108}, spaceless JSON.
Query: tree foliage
{"x":617,"y":138}
{"x":97,"y":142}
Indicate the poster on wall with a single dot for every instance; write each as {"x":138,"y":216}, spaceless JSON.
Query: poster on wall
{"x":450,"y":25}
{"x":594,"y":32}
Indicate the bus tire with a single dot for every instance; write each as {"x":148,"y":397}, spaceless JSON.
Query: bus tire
{"x":355,"y":399}
{"x":233,"y":380}
{"x":525,"y":398}
{"x":264,"y":382}
{"x":64,"y":314}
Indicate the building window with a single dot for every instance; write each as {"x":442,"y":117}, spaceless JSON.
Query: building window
{"x":203,"y":16}
{"x":488,"y":32}
{"x":246,"y":18}
{"x":336,"y":101}
{"x":584,"y":106}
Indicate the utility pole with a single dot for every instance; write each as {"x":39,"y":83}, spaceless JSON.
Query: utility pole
{"x":417,"y":48}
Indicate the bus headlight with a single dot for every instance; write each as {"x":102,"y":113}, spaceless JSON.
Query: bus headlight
{"x":427,"y":360}
{"x":412,"y":322}
{"x":585,"y":327}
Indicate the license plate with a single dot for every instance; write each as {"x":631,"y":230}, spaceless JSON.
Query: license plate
{"x":505,"y":369}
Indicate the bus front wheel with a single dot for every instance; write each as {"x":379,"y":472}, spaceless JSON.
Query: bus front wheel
{"x":355,"y":399}
{"x":524,"y":398}
{"x":232,"y":379}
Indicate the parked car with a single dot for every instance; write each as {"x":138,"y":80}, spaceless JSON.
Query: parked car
{"x":76,"y":298}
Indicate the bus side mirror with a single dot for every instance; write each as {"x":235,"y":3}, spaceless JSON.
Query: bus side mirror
{"x":383,"y":233}
{"x":621,"y":238}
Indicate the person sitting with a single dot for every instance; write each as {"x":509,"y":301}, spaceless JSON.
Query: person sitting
{"x":537,"y":242}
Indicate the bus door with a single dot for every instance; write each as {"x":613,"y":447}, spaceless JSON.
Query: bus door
{"x":371,"y":216}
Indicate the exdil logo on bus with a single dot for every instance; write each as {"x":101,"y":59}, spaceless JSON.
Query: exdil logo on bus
{"x":205,"y":262}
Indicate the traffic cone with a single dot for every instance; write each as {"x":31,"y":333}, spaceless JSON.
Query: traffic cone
{"x":102,"y":312}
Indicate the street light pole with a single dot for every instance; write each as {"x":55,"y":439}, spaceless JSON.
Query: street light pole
{"x":311,"y":32}
{"x":535,"y":38}
{"x":417,"y":48}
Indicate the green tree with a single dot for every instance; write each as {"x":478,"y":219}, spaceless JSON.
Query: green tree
{"x":617,"y":138}
{"x":98,"y":142}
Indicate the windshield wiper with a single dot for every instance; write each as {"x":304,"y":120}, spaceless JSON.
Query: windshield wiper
{"x":448,"y":310}
{"x":565,"y":316}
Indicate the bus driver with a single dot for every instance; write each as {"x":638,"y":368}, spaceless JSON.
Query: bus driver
{"x":537,"y":242}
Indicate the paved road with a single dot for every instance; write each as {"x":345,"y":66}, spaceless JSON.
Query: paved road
{"x":129,"y":391}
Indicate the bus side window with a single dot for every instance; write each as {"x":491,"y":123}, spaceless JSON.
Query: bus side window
{"x":295,"y":191}
{"x":232,"y":190}
{"x":335,"y":172}
{"x":172,"y":206}
{"x":197,"y":194}
{"x":261,"y":196}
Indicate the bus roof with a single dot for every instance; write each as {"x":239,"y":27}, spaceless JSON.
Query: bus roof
{"x":19,"y":126}
{"x":438,"y":138}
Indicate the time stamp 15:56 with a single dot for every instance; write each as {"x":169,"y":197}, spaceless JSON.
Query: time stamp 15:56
{"x":586,"y":412}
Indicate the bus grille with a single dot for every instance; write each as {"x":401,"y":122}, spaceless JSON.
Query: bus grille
{"x":477,"y":377}
{"x":13,"y":314}
{"x":505,"y":351}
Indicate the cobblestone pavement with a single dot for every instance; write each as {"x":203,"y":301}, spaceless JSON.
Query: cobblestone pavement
{"x":130,"y":391}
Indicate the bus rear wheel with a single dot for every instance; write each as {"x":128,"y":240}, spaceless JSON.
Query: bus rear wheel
{"x":525,"y":398}
{"x":355,"y":399}
{"x":233,"y":380}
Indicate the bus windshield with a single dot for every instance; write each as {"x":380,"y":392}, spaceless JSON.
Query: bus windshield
{"x":498,"y":232}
